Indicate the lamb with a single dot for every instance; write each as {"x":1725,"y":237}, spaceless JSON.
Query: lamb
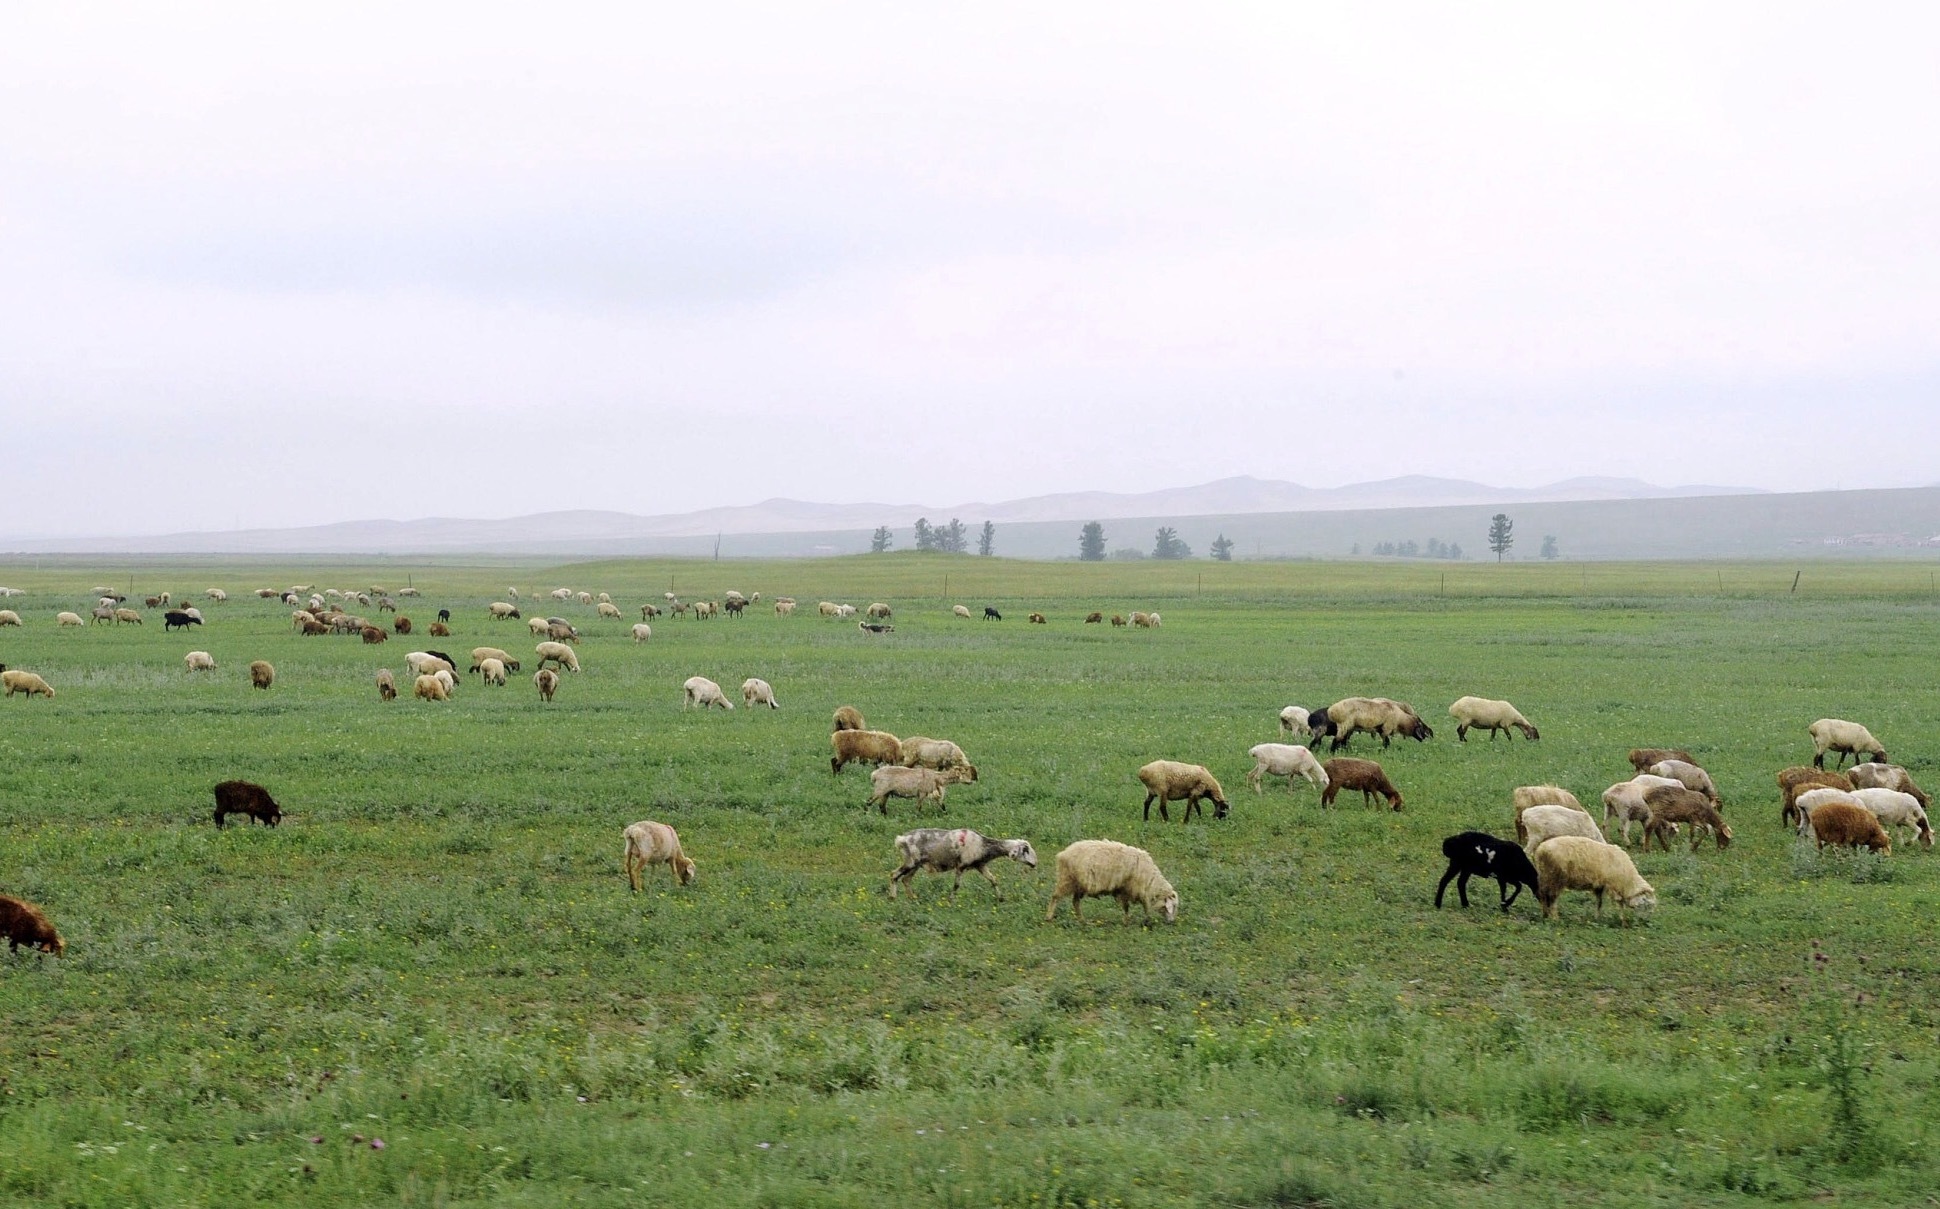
{"x":200,"y":661}
{"x":1571,"y":862}
{"x":990,"y":614}
{"x":22,"y":923}
{"x":649,"y":843}
{"x":262,"y":674}
{"x":1673,"y":804}
{"x":1293,"y":720}
{"x":1641,"y":758}
{"x":481,"y":653}
{"x":492,"y":671}
{"x":70,"y":619}
{"x":863,"y":747}
{"x":17,"y":681}
{"x":960,"y":611}
{"x":1170,"y":780}
{"x":642,"y":631}
{"x":1285,"y":760}
{"x":1688,"y":775}
{"x":920,"y":784}
{"x":699,"y":690}
{"x":247,"y":798}
{"x":1525,"y":796}
{"x":920,"y":752}
{"x":430,"y":688}
{"x":1798,"y":779}
{"x":1345,"y":772}
{"x":1896,"y":809}
{"x":1846,"y":738}
{"x":1479,"y":854}
{"x":1481,"y":713}
{"x":1539,"y":823}
{"x":386,"y":686}
{"x":178,"y":619}
{"x":499,"y":610}
{"x":848,"y":717}
{"x":1625,"y":800}
{"x":547,"y":682}
{"x":559,"y":653}
{"x":1375,"y":715}
{"x":1849,"y":825}
{"x":755,"y":692}
{"x":1102,"y":867}
{"x":959,"y":851}
{"x":1874,"y":775}
{"x":133,"y":617}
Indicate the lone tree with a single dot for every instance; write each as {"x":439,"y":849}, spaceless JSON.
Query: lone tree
{"x":987,"y":540}
{"x":951,"y":538}
{"x":1501,"y":534}
{"x":1549,"y":550}
{"x":1091,"y":542}
{"x":925,"y":536}
{"x":1167,"y":544}
{"x":881,"y":540}
{"x":1222,"y":548}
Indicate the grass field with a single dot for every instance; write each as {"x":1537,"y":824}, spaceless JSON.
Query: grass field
{"x":438,"y":949}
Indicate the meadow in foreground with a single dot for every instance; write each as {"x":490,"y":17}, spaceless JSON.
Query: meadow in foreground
{"x":438,"y":949}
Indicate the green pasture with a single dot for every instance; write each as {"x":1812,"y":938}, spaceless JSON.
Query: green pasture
{"x":438,"y":950}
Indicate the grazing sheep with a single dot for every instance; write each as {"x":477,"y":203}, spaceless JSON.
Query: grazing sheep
{"x":1293,"y":720}
{"x":1117,"y":620}
{"x":648,"y":612}
{"x":960,"y":611}
{"x":894,"y":781}
{"x":386,"y":686}
{"x":1846,"y":738}
{"x":538,"y":626}
{"x":262,"y":673}
{"x":1349,"y":716}
{"x":1171,"y":780}
{"x":385,"y":604}
{"x":1285,"y":760}
{"x":1810,"y":800}
{"x":70,"y":619}
{"x":1525,"y":796}
{"x":102,"y":613}
{"x":22,"y":923}
{"x":878,"y":612}
{"x":481,"y":653}
{"x":1688,"y":775}
{"x":313,"y":627}
{"x":492,"y":671}
{"x":1641,"y":758}
{"x":1872,"y":775}
{"x":1094,"y":618}
{"x":133,"y":617}
{"x":1624,"y":802}
{"x":560,"y":630}
{"x":430,"y":688}
{"x":845,"y":611}
{"x":547,"y":682}
{"x":699,"y":690}
{"x":1849,"y":825}
{"x":1896,"y":809}
{"x":1674,"y":804}
{"x":917,"y":751}
{"x":217,"y":595}
{"x":372,"y":635}
{"x":401,"y":624}
{"x":1345,"y":772}
{"x":439,"y":630}
{"x":559,"y":653}
{"x":649,"y":843}
{"x":863,"y":747}
{"x":990,"y":614}
{"x":1479,"y":854}
{"x":848,"y":717}
{"x":609,"y":610}
{"x":1481,"y":713}
{"x":757,"y":692}
{"x":1102,"y":867}
{"x":422,"y":663}
{"x":1798,"y":779}
{"x":178,"y":619}
{"x":958,"y":851}
{"x":784,"y":608}
{"x":247,"y":798}
{"x":193,"y":614}
{"x":1571,"y":862}
{"x":828,"y":608}
{"x":17,"y":681}
{"x":200,"y":661}
{"x":642,"y":631}
{"x":1036,"y":619}
{"x":448,"y":677}
{"x":155,"y":602}
{"x":1539,"y":823}
{"x":1140,"y":619}
{"x":562,"y":593}
{"x":498,"y":610}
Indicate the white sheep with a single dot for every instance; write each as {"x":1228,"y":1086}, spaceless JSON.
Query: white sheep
{"x":642,"y":631}
{"x":1689,"y":775}
{"x":217,"y":595}
{"x":9,"y":617}
{"x":1482,"y":713}
{"x":200,"y":661}
{"x":1624,"y":801}
{"x":649,"y":843}
{"x":1540,"y":823}
{"x":957,"y":851}
{"x":447,"y":677}
{"x":1293,"y":720}
{"x":1571,"y":862}
{"x":1874,"y":775}
{"x":492,"y":671}
{"x":755,"y":691}
{"x":962,"y":611}
{"x":1285,"y":760}
{"x":1896,"y":809}
{"x":784,"y":608}
{"x":844,"y":611}
{"x":609,"y":609}
{"x":1525,"y":796}
{"x":562,"y":593}
{"x":1810,"y":800}
{"x":918,"y":784}
{"x":1846,"y":738}
{"x":699,"y":690}
{"x":423,"y":663}
{"x":481,"y":653}
{"x":500,"y":610}
{"x":918,"y":751}
{"x":1102,"y":867}
{"x":70,"y":619}
{"x":538,"y":626}
{"x":559,"y":653}
{"x":17,"y":681}
{"x":429,"y":688}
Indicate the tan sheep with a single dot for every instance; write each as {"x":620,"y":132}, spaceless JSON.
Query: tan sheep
{"x":1293,"y":721}
{"x":1380,"y":716}
{"x":429,"y":688}
{"x":1285,"y":760}
{"x":492,"y":671}
{"x":921,"y":784}
{"x":1798,"y":779}
{"x":918,"y":751}
{"x":1106,"y":867}
{"x":547,"y":682}
{"x":648,"y":844}
{"x":386,"y":686}
{"x":756,"y":691}
{"x":1571,"y":862}
{"x":699,"y":690}
{"x":1688,"y":775}
{"x":607,"y":609}
{"x":1173,"y":780}
{"x":9,"y":617}
{"x":784,"y":608}
{"x":1482,"y":713}
{"x":262,"y":674}
{"x":1875,"y":775}
{"x":1525,"y":796}
{"x":863,"y":747}
{"x":70,"y":619}
{"x":1846,"y":738}
{"x":1624,"y":802}
{"x":962,"y":611}
{"x":559,"y":653}
{"x":199,"y":661}
{"x":17,"y":681}
{"x":1674,"y":805}
{"x":481,"y":653}
{"x":848,"y":717}
{"x":642,"y":631}
{"x":133,"y":617}
{"x":1539,"y":823}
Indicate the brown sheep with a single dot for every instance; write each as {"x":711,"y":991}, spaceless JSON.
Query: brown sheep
{"x":313,"y":627}
{"x":1117,"y":620}
{"x":373,"y":635}
{"x":23,"y":924}
{"x":1094,"y":618}
{"x":863,"y":747}
{"x":649,"y":843}
{"x":127,"y":615}
{"x":247,"y":797}
{"x":1345,"y":772}
{"x":1172,"y":781}
{"x":440,"y":630}
{"x":1641,"y":758}
{"x":401,"y":624}
{"x":1849,"y":825}
{"x":1036,"y":619}
{"x":262,"y":674}
{"x":547,"y":682}
{"x":1670,"y":805}
{"x":1796,"y":780}
{"x":848,"y":717}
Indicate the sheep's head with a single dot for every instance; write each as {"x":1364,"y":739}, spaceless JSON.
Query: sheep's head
{"x":1169,"y":906}
{"x":1022,"y":852}
{"x":1321,"y":723}
{"x":1724,"y":837}
{"x":1420,"y":731}
{"x":1529,"y":732}
{"x":1642,"y":899}
{"x":685,"y":870}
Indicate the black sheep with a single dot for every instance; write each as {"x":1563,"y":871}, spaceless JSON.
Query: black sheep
{"x":177,"y":620}
{"x":249,"y":798}
{"x":990,"y":614}
{"x":1479,"y":854}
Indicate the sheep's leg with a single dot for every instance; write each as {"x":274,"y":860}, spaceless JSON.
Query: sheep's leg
{"x":992,"y":879}
{"x":1443,"y":887}
{"x":1148,"y":807}
{"x":1077,"y":896}
{"x":1253,"y":778}
{"x":1510,"y":891}
{"x":633,"y":872}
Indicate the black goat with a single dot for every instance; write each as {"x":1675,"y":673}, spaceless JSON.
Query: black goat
{"x":1479,"y":854}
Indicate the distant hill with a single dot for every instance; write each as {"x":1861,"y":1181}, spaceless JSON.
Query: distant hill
{"x":780,"y":526}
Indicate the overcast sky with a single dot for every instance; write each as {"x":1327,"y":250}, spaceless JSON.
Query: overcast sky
{"x":265,"y":265}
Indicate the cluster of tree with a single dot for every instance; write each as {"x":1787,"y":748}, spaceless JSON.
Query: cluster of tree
{"x":1166,"y":543}
{"x":952,"y":538}
{"x":1435,"y":548}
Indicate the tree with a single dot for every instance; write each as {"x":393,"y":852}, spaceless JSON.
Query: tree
{"x":1222,"y":548}
{"x":1501,"y":534}
{"x":1167,"y":544}
{"x":881,"y":540}
{"x":1091,"y":542}
{"x":1549,"y":550}
{"x":987,"y":540}
{"x":925,"y":536}
{"x":951,"y":538}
